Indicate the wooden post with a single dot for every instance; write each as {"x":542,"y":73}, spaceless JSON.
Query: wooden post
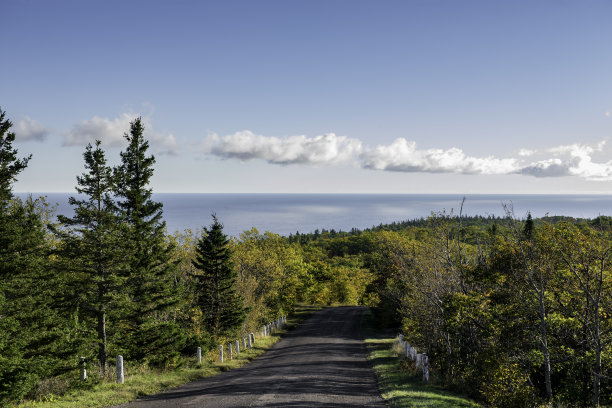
{"x":221,"y":353}
{"x":199,"y":354}
{"x":83,"y":369}
{"x":120,"y":378}
{"x":231,"y":350}
{"x":237,"y":347}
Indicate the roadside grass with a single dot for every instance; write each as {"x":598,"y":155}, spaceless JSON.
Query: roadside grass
{"x":399,"y":385}
{"x":141,"y":381}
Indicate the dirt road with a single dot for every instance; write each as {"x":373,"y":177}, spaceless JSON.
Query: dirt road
{"x":321,"y":363}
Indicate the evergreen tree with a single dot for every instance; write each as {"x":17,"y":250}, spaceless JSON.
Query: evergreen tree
{"x":32,"y":342}
{"x":222,"y":307}
{"x":152,"y":332}
{"x":92,"y":248}
{"x":528,"y":227}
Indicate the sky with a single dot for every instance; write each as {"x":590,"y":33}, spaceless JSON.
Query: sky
{"x":411,"y":96}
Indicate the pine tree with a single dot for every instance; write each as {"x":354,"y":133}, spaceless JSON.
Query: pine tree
{"x":222,"y":307}
{"x":153,"y":334}
{"x":92,"y":247}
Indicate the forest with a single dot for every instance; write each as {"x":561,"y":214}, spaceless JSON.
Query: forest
{"x":513,"y":311}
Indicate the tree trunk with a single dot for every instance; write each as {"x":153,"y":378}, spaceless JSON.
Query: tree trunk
{"x":102,"y":352}
{"x":597,"y":365}
{"x":545,"y":351}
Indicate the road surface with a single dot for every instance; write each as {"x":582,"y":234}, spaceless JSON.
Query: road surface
{"x":321,"y":363}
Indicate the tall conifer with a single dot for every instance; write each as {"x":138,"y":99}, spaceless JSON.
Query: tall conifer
{"x":222,"y":307}
{"x":93,"y":248}
{"x":153,"y":335}
{"x":32,"y":344}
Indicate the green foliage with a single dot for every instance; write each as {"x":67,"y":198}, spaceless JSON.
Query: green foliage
{"x":493,"y":307}
{"x":399,"y":382}
{"x":221,"y":306}
{"x":152,"y":292}
{"x":33,"y":342}
{"x":93,"y":252}
{"x":271,"y":274}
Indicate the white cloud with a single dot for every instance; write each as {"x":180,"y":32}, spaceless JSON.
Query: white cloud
{"x":572,"y":160}
{"x":28,"y":129}
{"x":111,"y":133}
{"x":403,"y":155}
{"x":323,"y":149}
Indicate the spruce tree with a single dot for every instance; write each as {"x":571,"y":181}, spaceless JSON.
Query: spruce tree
{"x":32,"y":339}
{"x":222,"y":307}
{"x":15,"y":378}
{"x":93,"y":250}
{"x":152,"y":333}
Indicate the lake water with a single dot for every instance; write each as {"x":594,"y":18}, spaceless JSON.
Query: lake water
{"x":288,"y":213}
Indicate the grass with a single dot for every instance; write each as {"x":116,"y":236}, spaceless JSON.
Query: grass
{"x":140,"y":381}
{"x":399,"y":384}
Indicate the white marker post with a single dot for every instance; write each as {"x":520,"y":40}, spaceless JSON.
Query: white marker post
{"x":199,"y":354}
{"x":83,"y":369}
{"x":221,"y":353}
{"x":120,"y":378}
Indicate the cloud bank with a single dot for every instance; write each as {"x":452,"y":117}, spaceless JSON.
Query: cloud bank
{"x":29,"y":130}
{"x":403,"y":155}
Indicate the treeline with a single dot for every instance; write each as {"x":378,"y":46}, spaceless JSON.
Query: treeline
{"x":518,"y":315}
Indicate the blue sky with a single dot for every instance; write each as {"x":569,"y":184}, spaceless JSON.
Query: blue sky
{"x":317,"y":96}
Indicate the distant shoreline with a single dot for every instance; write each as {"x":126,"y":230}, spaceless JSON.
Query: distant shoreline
{"x":286,"y":214}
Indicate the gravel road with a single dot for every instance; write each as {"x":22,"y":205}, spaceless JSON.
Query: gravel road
{"x":321,"y":363}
